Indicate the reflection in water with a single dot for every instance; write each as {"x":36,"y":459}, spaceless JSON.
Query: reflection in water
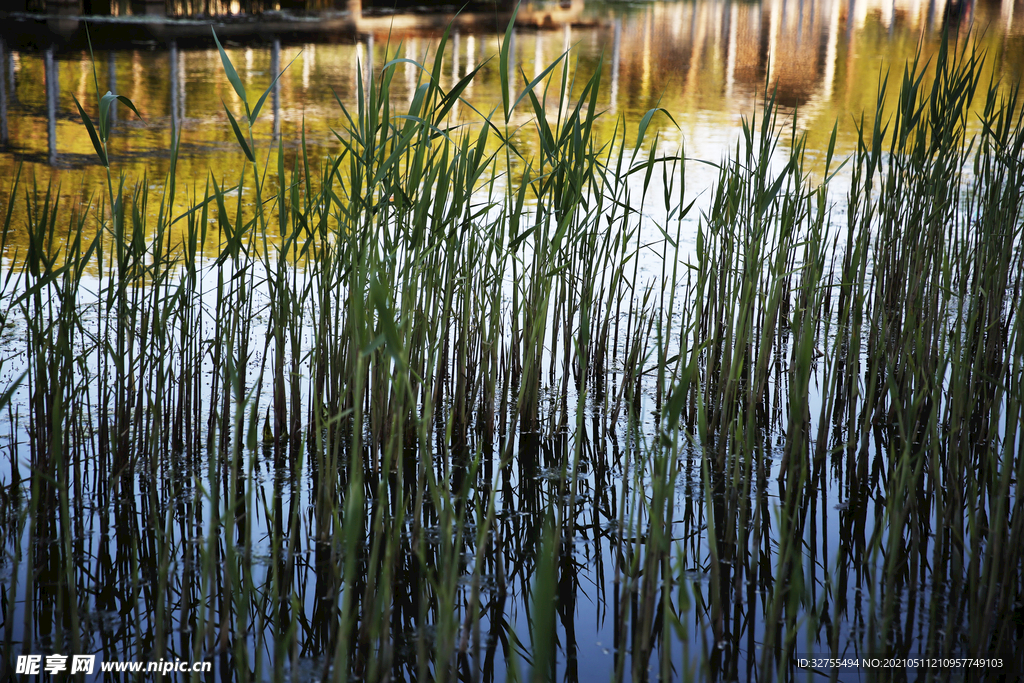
{"x":368,"y":63}
{"x":3,"y":93}
{"x":275,"y":69}
{"x":112,"y":81}
{"x":705,"y":62}
{"x":52,"y":84}
{"x":176,"y":106}
{"x":616,"y":56}
{"x":512,"y":75}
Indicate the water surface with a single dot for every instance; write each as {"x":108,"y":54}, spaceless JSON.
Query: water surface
{"x":708,"y":65}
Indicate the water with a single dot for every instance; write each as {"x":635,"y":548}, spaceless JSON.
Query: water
{"x":706,"y":64}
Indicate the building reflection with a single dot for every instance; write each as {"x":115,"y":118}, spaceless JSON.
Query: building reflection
{"x":3,"y":94}
{"x":275,"y":69}
{"x":708,"y":58}
{"x":703,"y":51}
{"x":176,"y":104}
{"x":52,"y":72}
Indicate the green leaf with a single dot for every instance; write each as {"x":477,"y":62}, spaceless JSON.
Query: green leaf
{"x":454,"y":94}
{"x":503,"y":64}
{"x":547,"y":139}
{"x":100,"y":151}
{"x":387,"y":321}
{"x":238,"y":135}
{"x":222,"y":211}
{"x":232,"y":75}
{"x":377,"y":342}
{"x":105,"y":103}
{"x":128,"y":103}
{"x":532,"y":84}
{"x":263,"y":97}
{"x":769,"y":196}
{"x":520,"y":238}
{"x":646,"y":121}
{"x":435,"y":76}
{"x":438,"y":133}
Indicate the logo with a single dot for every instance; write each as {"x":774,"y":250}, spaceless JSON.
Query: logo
{"x":55,"y":664}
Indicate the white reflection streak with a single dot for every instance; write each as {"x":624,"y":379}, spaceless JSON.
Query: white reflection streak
{"x":828,"y":80}
{"x":456,"y":45}
{"x":454,"y":115}
{"x":3,"y":92}
{"x":616,"y":54}
{"x":859,"y":12}
{"x":52,"y":74}
{"x":410,"y":69}
{"x":698,"y":37}
{"x":538,"y":55}
{"x":645,"y":79}
{"x":730,"y":58}
{"x":369,"y":62}
{"x":512,"y":62}
{"x":172,"y":59}
{"x":360,"y":62}
{"x":84,"y":69}
{"x":775,"y":18}
{"x":307,"y":62}
{"x":716,"y":33}
{"x":137,"y":70}
{"x":275,"y":68}
{"x":182,"y":80}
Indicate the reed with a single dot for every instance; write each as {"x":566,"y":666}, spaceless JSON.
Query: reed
{"x":442,"y":409}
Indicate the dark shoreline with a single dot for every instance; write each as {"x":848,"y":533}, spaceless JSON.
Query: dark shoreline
{"x":23,"y":30}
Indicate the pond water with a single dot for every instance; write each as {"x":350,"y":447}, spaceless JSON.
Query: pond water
{"x":706,"y":63}
{"x":209,"y":530}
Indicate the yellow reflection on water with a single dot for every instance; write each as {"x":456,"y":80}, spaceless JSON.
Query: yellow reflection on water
{"x":706,"y":62}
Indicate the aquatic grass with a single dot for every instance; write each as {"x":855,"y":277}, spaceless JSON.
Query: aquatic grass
{"x":425,"y":421}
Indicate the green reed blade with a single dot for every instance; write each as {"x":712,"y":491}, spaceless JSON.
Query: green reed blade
{"x":259,"y":103}
{"x":229,"y":70}
{"x":105,"y":115}
{"x":128,"y":103}
{"x":533,"y":84}
{"x":101,"y":152}
{"x":503,"y":64}
{"x":455,"y":94}
{"x":641,"y":131}
{"x":238,"y":134}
